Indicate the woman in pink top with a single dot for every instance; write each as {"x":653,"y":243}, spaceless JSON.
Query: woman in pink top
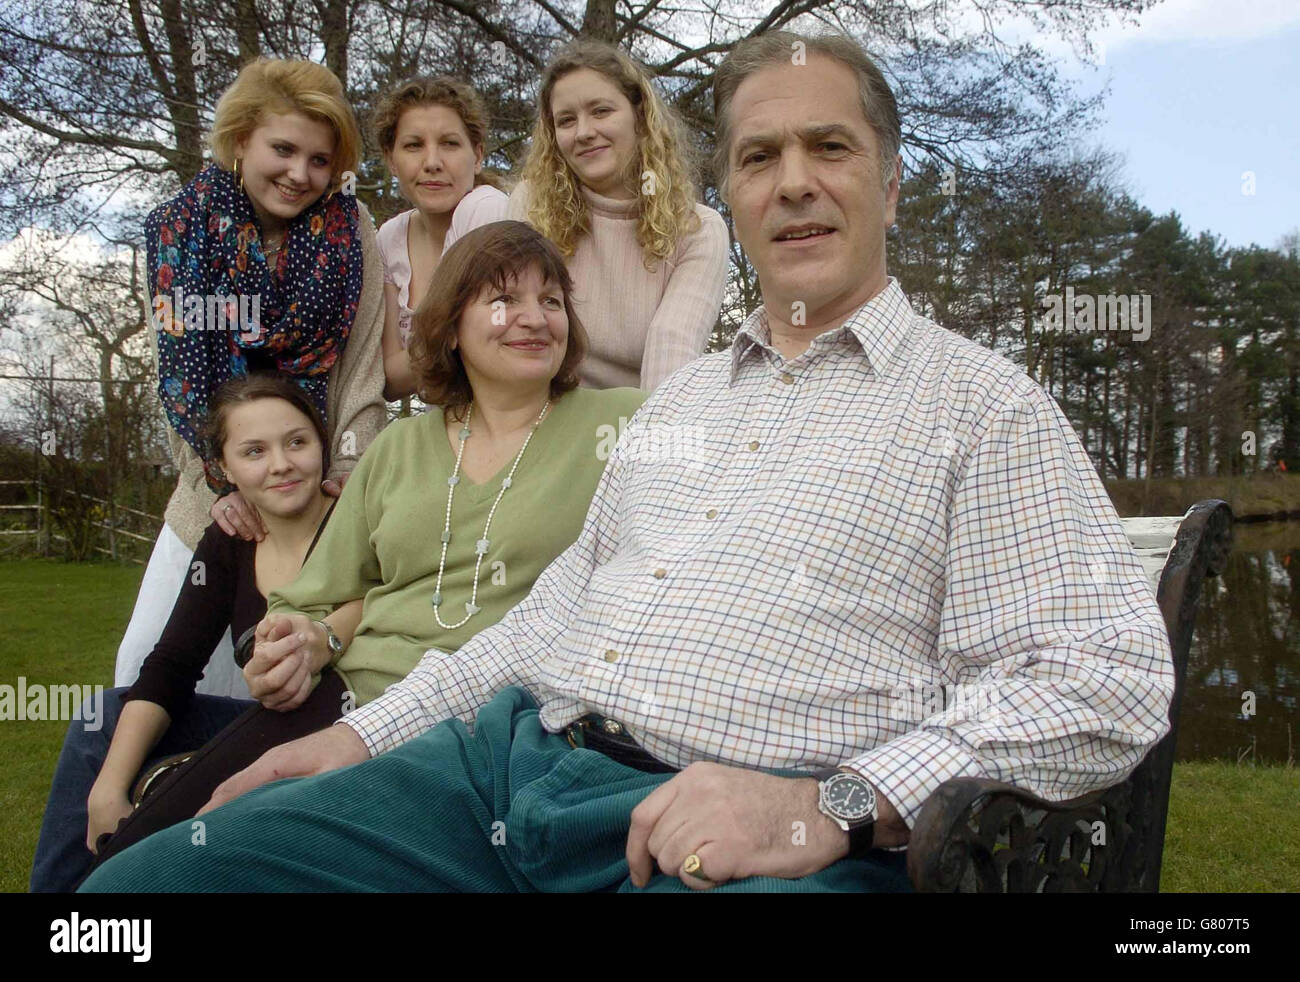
{"x":431,"y":132}
{"x":649,"y":262}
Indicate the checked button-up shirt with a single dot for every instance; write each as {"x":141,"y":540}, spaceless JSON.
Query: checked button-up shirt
{"x":890,"y":553}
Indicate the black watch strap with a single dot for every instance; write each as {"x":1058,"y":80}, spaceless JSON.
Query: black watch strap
{"x":861,"y":838}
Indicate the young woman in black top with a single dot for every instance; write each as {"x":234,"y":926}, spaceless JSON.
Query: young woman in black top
{"x":271,"y":444}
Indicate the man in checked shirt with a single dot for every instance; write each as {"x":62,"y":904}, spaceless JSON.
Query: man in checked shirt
{"x":795,"y":544}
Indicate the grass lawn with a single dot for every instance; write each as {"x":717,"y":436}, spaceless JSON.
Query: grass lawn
{"x":1231,"y":829}
{"x":62,"y":624}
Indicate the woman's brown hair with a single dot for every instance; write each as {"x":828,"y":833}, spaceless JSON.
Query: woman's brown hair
{"x":249,"y":388}
{"x":492,"y":253}
{"x":440,"y":90}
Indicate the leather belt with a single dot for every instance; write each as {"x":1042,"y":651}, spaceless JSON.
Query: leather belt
{"x":610,"y":737}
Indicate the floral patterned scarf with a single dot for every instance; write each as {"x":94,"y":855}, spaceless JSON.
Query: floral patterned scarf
{"x":217,"y":305}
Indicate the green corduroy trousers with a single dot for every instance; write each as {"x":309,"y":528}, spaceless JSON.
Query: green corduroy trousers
{"x":508,"y":807}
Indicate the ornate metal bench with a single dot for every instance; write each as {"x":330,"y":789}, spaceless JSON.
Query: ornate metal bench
{"x":980,"y":836}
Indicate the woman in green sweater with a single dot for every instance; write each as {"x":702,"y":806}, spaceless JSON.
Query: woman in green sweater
{"x":450,"y":515}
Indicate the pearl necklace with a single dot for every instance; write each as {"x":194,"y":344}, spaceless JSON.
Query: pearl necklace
{"x":481,"y":547}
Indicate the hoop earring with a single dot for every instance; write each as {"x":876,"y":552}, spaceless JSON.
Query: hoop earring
{"x":238,"y":174}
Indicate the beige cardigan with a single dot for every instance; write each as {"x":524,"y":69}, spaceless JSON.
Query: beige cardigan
{"x":354,"y":403}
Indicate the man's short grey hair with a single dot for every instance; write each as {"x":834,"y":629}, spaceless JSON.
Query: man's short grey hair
{"x":879,"y":107}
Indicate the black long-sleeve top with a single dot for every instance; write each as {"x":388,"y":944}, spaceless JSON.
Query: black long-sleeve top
{"x":220,"y":593}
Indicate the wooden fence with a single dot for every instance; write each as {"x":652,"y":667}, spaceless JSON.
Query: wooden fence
{"x":112,"y":528}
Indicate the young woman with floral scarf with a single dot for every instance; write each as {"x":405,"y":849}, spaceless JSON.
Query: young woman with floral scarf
{"x":265,"y":260}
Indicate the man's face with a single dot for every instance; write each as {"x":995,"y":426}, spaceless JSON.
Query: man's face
{"x":803,"y":158}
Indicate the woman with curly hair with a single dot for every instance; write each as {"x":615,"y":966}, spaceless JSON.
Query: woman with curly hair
{"x":607,"y":179}
{"x":265,"y":260}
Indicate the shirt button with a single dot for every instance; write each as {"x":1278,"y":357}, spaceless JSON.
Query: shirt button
{"x":659,"y":574}
{"x":711,"y":513}
{"x":787,"y":378}
{"x":753,"y":444}
{"x":611,"y":655}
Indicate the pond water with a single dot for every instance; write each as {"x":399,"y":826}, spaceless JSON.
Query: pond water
{"x":1247,"y":642}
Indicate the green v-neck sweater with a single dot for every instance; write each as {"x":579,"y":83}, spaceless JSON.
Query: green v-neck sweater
{"x":384,"y":539}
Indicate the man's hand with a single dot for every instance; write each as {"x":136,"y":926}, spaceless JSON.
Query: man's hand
{"x":287,"y":651}
{"x":327,"y":750}
{"x":740,"y":823}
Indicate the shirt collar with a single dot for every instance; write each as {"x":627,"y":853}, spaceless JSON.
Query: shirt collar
{"x":879,"y":325}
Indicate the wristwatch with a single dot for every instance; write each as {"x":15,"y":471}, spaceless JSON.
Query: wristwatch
{"x":331,"y":640}
{"x":849,"y":801}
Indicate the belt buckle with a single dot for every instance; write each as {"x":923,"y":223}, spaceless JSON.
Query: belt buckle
{"x":606,"y":728}
{"x":569,"y":732}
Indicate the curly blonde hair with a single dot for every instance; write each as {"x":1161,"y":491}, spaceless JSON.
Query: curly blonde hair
{"x":556,"y":206}
{"x":277,"y":86}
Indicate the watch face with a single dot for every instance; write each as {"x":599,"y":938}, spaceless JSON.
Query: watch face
{"x":849,"y":797}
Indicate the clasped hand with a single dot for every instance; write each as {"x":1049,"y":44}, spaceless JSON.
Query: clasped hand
{"x":288,"y":651}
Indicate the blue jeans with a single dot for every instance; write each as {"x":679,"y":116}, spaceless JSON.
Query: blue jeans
{"x":62,"y":858}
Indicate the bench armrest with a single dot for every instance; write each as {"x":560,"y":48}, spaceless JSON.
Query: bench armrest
{"x":974,"y":835}
{"x":977,"y":835}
